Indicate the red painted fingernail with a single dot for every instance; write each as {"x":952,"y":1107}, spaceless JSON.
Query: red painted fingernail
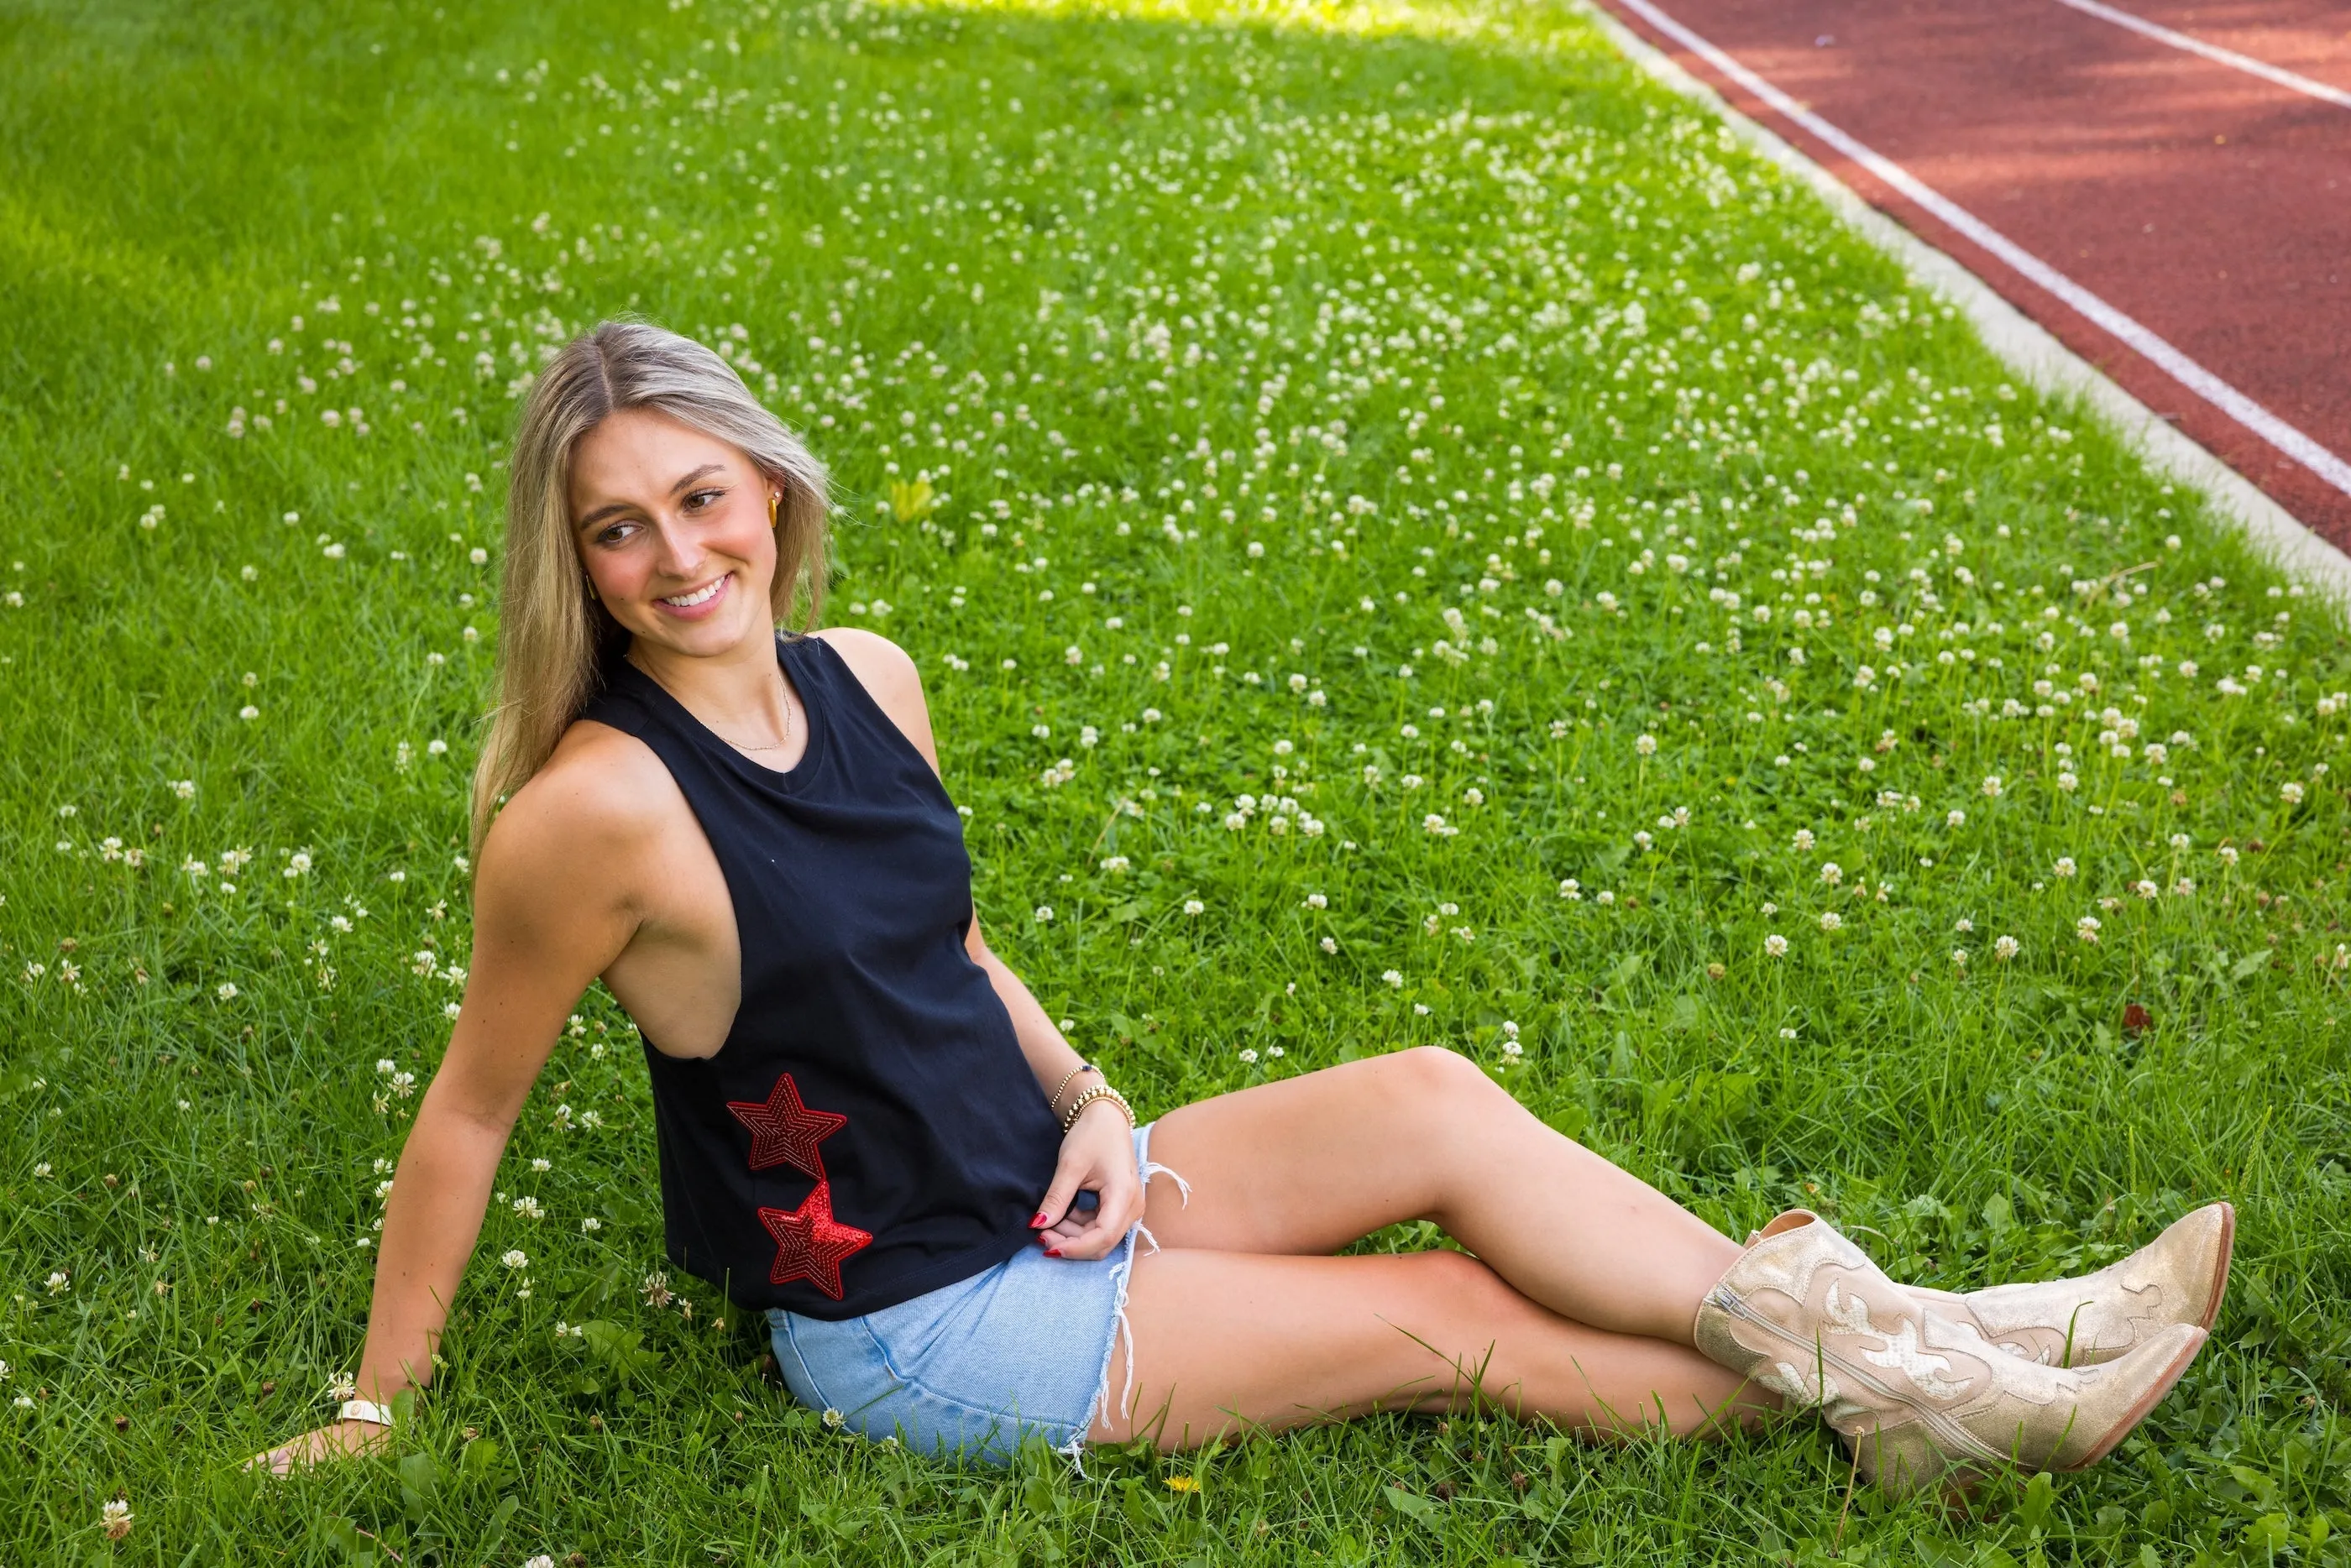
{"x":1039,"y":1222}
{"x":1053,"y":1251}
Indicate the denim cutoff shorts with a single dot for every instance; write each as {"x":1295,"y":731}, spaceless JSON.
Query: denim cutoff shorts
{"x":976,"y":1368}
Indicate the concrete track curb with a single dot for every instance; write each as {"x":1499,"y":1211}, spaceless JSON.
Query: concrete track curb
{"x":2026,"y":346}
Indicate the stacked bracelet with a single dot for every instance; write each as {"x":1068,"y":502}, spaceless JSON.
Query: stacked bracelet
{"x":1099,"y":1092}
{"x":365,"y":1410}
{"x":1054,"y":1099}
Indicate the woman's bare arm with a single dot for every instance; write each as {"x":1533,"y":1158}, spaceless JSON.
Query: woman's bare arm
{"x":551,"y":911}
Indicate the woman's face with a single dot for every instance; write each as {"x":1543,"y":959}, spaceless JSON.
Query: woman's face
{"x":672,"y":527}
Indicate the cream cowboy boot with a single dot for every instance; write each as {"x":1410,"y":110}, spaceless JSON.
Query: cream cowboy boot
{"x":2178,"y":1277}
{"x":1923,"y":1399}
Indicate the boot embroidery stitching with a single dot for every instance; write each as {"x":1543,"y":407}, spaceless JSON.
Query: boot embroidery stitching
{"x":1923,"y":1369}
{"x":1850,"y":1316}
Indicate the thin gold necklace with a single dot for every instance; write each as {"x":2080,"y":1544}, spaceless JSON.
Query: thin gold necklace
{"x":738,"y":745}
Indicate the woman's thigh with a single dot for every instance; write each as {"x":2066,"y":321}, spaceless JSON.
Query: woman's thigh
{"x":1227,"y":1341}
{"x":1311,"y":1163}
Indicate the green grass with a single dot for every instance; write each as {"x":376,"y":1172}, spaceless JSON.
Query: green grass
{"x":1126,"y":333}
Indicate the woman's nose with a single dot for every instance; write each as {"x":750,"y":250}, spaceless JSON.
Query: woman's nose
{"x":681,"y":552}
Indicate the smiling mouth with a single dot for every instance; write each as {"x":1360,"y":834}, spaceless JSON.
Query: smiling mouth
{"x":701,"y":595}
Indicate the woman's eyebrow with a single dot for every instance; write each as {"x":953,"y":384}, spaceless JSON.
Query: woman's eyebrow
{"x":603,"y":511}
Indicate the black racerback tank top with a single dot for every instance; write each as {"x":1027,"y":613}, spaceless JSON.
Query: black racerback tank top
{"x":870,"y":1129}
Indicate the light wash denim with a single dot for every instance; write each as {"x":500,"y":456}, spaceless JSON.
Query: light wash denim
{"x":974,"y":1369}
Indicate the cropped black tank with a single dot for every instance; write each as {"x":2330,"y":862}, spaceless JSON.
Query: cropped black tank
{"x":870,"y":1129}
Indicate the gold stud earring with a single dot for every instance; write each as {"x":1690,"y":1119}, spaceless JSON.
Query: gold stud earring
{"x":775,"y":499}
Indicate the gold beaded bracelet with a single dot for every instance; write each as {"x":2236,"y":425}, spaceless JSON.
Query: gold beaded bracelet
{"x":1054,"y":1098}
{"x":1099,"y":1092}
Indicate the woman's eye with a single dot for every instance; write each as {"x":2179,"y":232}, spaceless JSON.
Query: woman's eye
{"x":701,"y":499}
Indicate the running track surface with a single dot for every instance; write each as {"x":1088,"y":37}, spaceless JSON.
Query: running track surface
{"x":2207,"y":202}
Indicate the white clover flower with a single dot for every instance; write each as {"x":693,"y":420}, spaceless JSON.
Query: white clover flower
{"x":1804,"y":840}
{"x":1393,"y":979}
{"x":1992,"y":786}
{"x":1831,"y":920}
{"x":2087,"y":928}
{"x":2064,"y":866}
{"x":1776,"y":945}
{"x":1329,"y":944}
{"x":2289,"y":792}
{"x":1193,"y":907}
{"x":529,"y":1208}
{"x":115,"y":1519}
{"x":58,"y":1282}
{"x":225,"y":990}
{"x":1831,"y":873}
{"x":1647,"y":745}
{"x":1044,"y":914}
{"x":1317,"y":901}
{"x":2005,"y":948}
{"x":1249,"y":1055}
{"x":514,"y":1258}
{"x":1955,"y":819}
{"x":1570,"y":888}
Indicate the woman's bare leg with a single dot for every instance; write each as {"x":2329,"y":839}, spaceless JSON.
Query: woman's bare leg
{"x":1226,"y":1341}
{"x":1579,"y":1305}
{"x":1308,"y":1163}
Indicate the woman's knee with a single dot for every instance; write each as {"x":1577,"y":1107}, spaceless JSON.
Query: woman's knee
{"x":1436,"y":1076}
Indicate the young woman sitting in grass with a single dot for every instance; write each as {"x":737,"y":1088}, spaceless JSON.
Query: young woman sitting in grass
{"x":870,"y":1130}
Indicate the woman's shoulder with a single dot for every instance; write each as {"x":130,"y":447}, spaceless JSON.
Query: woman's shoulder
{"x":879,"y":663}
{"x":888,"y":674}
{"x":602,"y":791}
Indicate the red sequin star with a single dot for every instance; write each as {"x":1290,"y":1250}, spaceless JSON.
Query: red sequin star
{"x":784,"y":1131}
{"x":810,"y":1245}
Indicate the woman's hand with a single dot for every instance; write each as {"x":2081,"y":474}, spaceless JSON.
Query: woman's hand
{"x":334,"y":1441}
{"x":1097,"y":1157}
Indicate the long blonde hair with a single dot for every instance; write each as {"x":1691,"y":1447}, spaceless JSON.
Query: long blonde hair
{"x":552,"y":638}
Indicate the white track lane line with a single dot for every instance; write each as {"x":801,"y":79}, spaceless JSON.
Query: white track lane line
{"x":2261,"y":68}
{"x":2334,"y":470}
